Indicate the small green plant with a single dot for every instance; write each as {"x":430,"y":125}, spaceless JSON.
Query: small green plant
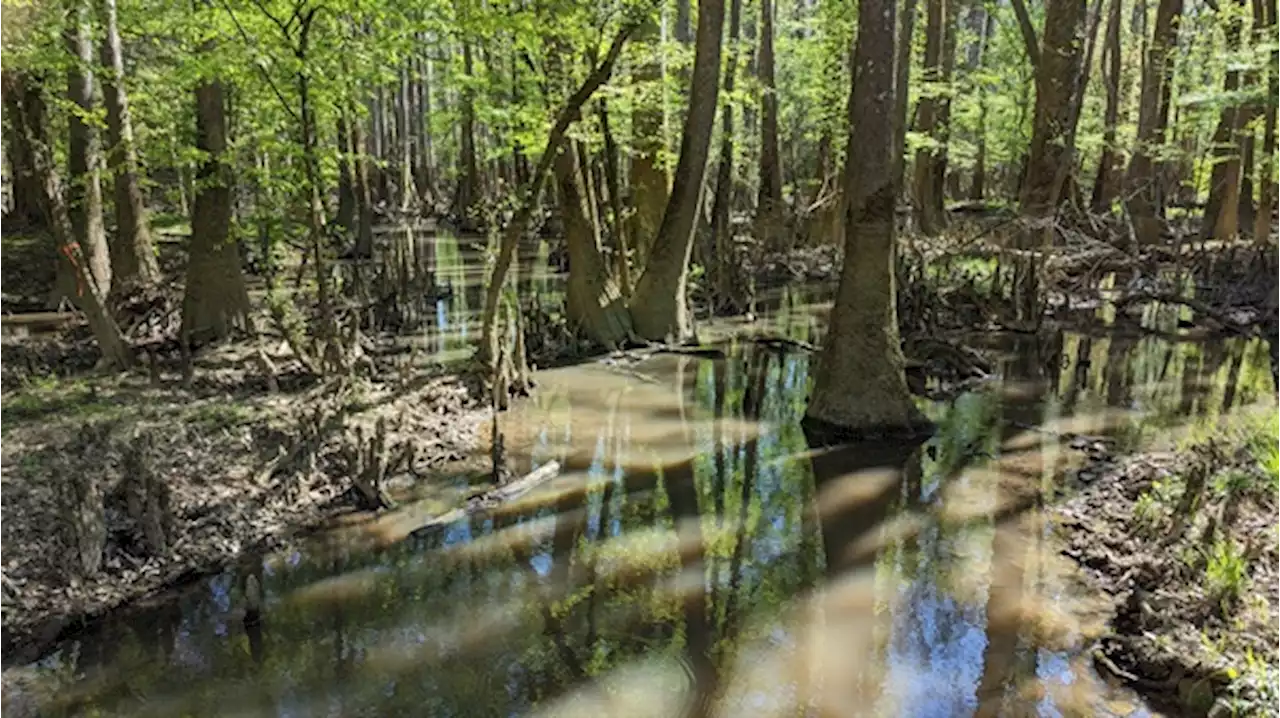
{"x":1148,"y":511}
{"x":1269,"y":458}
{"x":1226,"y":571}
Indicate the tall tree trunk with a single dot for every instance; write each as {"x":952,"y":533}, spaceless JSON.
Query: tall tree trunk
{"x":29,"y":130}
{"x":28,"y":192}
{"x":519,"y":223}
{"x":902,"y":77}
{"x":659,"y":308}
{"x":133,"y":258}
{"x":860,"y":383}
{"x":346,"y":182}
{"x":1109,"y":164}
{"x":425,"y":179}
{"x":622,"y":247}
{"x":927,"y":190}
{"x":408,"y":193}
{"x":1268,"y":193}
{"x":982,"y":23}
{"x":721,"y":226}
{"x":769,"y":208}
{"x":216,"y":300}
{"x":84,"y":160}
{"x":649,"y":184}
{"x":1221,"y":213}
{"x":593,"y":300}
{"x":363,"y":186}
{"x":1056,"y":76}
{"x":1142,"y":187}
{"x":469,"y":173}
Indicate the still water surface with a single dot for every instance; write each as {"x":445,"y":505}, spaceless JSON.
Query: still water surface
{"x":695,"y":556}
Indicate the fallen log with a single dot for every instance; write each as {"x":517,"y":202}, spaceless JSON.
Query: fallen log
{"x":495,"y":496}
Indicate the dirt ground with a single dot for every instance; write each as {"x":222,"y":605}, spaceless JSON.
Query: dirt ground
{"x":247,"y":469}
{"x":1195,"y":600}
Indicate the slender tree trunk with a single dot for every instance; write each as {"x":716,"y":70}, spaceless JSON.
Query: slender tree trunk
{"x":28,"y":125}
{"x":769,"y":207}
{"x":408,"y":193}
{"x":721,"y":226}
{"x":659,"y":308}
{"x":84,"y":160}
{"x":928,"y":198}
{"x":982,"y":24}
{"x":346,"y":182}
{"x":133,"y":257}
{"x":1268,"y":193}
{"x":469,"y":173}
{"x":363,"y":187}
{"x":1109,"y":164}
{"x":426,"y":167}
{"x":519,"y":223}
{"x":1028,"y":31}
{"x":593,"y":300}
{"x":1221,"y":213}
{"x":1142,"y":187}
{"x":622,"y":248}
{"x":860,"y":382}
{"x":902,"y":77}
{"x":27,"y":192}
{"x":1057,"y":73}
{"x":216,"y":300}
{"x":649,"y":184}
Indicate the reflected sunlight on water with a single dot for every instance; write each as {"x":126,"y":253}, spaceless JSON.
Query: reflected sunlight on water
{"x":695,"y":556}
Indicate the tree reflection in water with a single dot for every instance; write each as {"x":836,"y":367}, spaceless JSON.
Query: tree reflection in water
{"x":697,"y":556}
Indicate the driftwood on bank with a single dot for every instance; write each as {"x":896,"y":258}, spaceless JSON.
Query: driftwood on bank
{"x":495,"y":496}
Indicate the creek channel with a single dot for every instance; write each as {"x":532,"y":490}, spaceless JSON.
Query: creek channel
{"x":694,"y":556}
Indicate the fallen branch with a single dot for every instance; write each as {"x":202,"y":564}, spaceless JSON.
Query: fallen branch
{"x":491,"y":498}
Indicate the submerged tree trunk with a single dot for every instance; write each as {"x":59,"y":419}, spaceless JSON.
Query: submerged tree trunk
{"x":133,"y":257}
{"x":769,"y":206}
{"x":1141,"y":185}
{"x":860,"y":382}
{"x":28,"y":127}
{"x":659,"y":309}
{"x":1056,"y":77}
{"x":216,"y":300}
{"x":649,"y":187}
{"x":1109,"y":165}
{"x":84,"y":161}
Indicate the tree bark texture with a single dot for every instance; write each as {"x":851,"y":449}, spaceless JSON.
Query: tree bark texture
{"x":1145,"y":203}
{"x":1056,"y":76}
{"x":84,"y":160}
{"x":1221,"y":213}
{"x":27,"y":125}
{"x":216,"y":300}
{"x":133,"y":257}
{"x":659,"y":309}
{"x":860,"y":382}
{"x":1106,"y":186}
{"x":769,"y":206}
{"x":927,"y":188}
{"x":649,"y":183}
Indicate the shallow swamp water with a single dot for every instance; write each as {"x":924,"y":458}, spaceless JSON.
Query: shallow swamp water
{"x":694,"y":556}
